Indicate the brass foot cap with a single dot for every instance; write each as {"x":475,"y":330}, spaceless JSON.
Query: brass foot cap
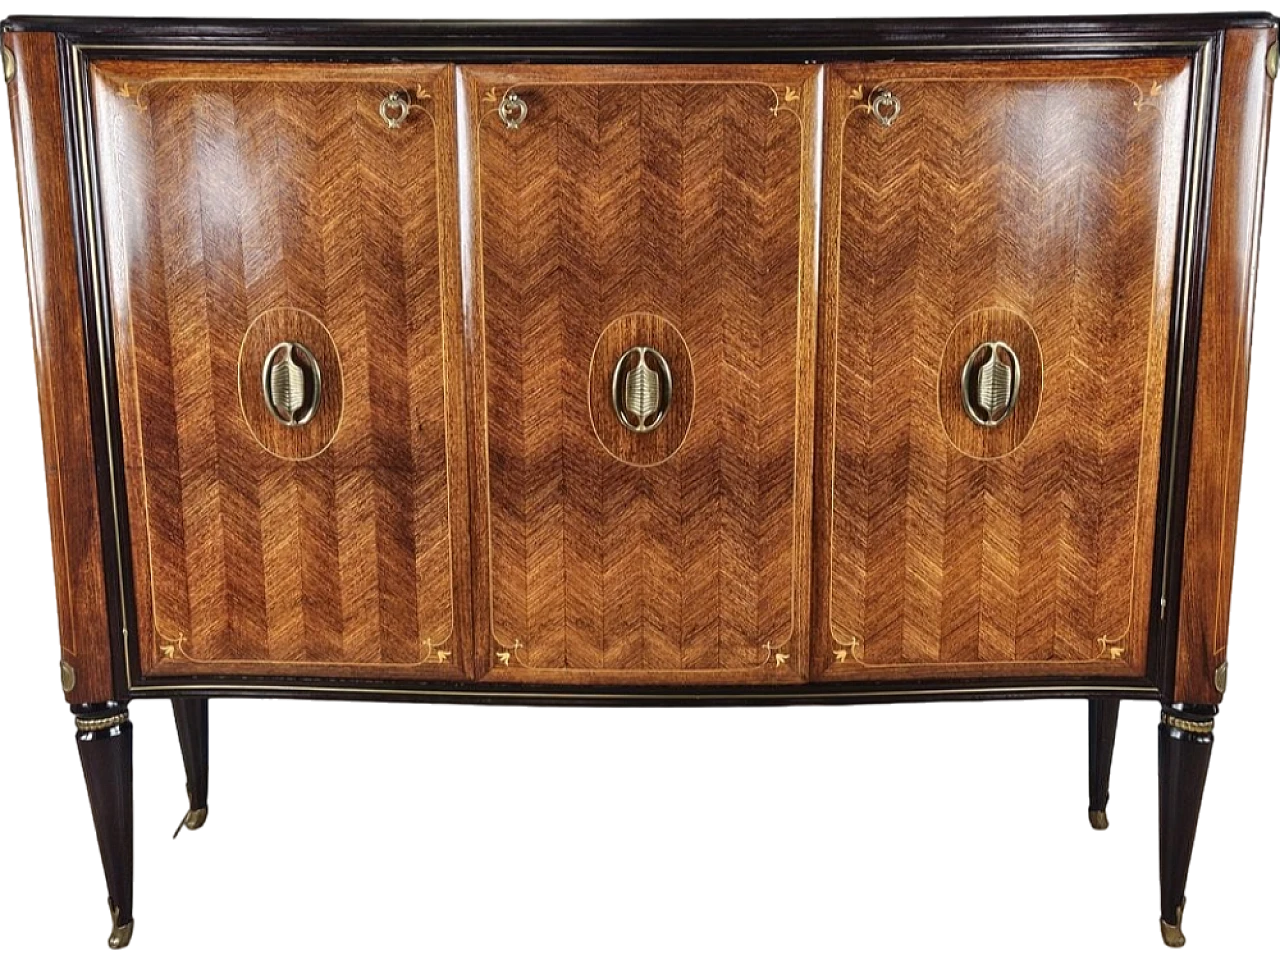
{"x":120,"y":935}
{"x":1098,"y":819}
{"x":193,"y":821}
{"x":1172,"y":933}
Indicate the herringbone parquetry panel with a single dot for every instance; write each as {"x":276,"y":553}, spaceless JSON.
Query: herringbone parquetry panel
{"x":238,"y":194}
{"x":1003,"y":196}
{"x":684,"y":195}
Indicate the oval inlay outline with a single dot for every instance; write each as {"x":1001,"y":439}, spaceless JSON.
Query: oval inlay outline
{"x":264,"y":333}
{"x":990,"y":325}
{"x":618,"y":337}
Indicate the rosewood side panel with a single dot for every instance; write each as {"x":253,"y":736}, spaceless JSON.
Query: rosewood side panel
{"x":1034,"y":205}
{"x":1222,"y":377}
{"x":44,"y":191}
{"x":660,"y":206}
{"x":250,"y":205}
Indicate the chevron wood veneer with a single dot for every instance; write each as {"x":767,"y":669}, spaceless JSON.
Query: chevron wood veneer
{"x":244,"y":202}
{"x":818,"y":249}
{"x":683,"y":193}
{"x":1004,"y":198}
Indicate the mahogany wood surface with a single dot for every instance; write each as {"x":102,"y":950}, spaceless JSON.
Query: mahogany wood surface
{"x":1035,"y":203}
{"x":35,"y":108}
{"x":680,"y":193}
{"x":1222,"y":376}
{"x":465,"y":463}
{"x":249,"y":204}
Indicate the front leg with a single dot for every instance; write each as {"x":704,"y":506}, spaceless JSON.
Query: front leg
{"x":104,"y":737}
{"x":1104,"y":713}
{"x":1186,"y":742}
{"x":191,"y":715}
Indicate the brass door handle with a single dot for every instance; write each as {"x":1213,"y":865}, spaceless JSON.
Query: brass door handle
{"x":990,"y":382}
{"x":394,"y":109}
{"x":513,"y":111}
{"x":885,"y":107}
{"x":291,"y":383}
{"x":641,"y":389}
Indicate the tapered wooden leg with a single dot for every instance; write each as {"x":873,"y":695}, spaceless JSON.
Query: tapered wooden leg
{"x":1186,"y":741}
{"x":191,"y":714}
{"x":104,"y":737}
{"x":1103,"y":715}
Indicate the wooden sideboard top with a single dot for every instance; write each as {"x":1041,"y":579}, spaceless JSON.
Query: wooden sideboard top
{"x":759,"y":40}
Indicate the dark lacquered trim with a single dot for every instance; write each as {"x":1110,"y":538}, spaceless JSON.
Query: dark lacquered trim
{"x":530,"y":695}
{"x":100,"y":353}
{"x":646,"y":34}
{"x":1125,"y":37}
{"x":761,"y":41}
{"x":1182,"y":364}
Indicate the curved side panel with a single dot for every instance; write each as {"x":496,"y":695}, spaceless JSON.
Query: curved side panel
{"x":35,"y":106}
{"x":1222,"y":376}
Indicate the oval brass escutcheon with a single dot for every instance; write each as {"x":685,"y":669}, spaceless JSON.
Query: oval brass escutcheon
{"x":292,"y":411}
{"x":990,"y":382}
{"x":291,"y":383}
{"x":641,"y":389}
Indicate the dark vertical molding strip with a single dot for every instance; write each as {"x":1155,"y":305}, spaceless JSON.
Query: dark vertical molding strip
{"x":1184,"y":339}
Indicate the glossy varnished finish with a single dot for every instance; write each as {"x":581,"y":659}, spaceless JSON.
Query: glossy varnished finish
{"x":685,"y":194}
{"x":1034,"y":203}
{"x":35,"y":103}
{"x":1085,"y":192}
{"x":246,"y":205}
{"x":1222,"y":369}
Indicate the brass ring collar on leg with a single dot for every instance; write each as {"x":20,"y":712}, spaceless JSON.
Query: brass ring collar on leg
{"x":1202,"y":727}
{"x":98,"y":724}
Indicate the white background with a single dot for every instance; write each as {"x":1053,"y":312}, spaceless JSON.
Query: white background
{"x":377,"y":830}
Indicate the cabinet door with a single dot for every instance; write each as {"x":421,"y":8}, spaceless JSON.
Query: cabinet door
{"x":668,"y":208}
{"x":1017,"y":220}
{"x":281,"y":241}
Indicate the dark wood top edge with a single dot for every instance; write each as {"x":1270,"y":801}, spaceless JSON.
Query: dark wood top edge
{"x":650,"y":35}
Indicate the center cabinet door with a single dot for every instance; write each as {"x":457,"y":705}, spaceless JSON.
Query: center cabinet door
{"x":642,"y":326}
{"x":282,"y":249}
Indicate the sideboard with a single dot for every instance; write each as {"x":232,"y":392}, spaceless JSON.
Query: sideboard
{"x":651,"y":363}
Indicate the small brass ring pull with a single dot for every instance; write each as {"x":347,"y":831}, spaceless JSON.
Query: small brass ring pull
{"x":885,"y":107}
{"x":513,"y":111}
{"x":641,"y":389}
{"x":394,"y":109}
{"x":291,"y":383}
{"x":990,"y":382}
